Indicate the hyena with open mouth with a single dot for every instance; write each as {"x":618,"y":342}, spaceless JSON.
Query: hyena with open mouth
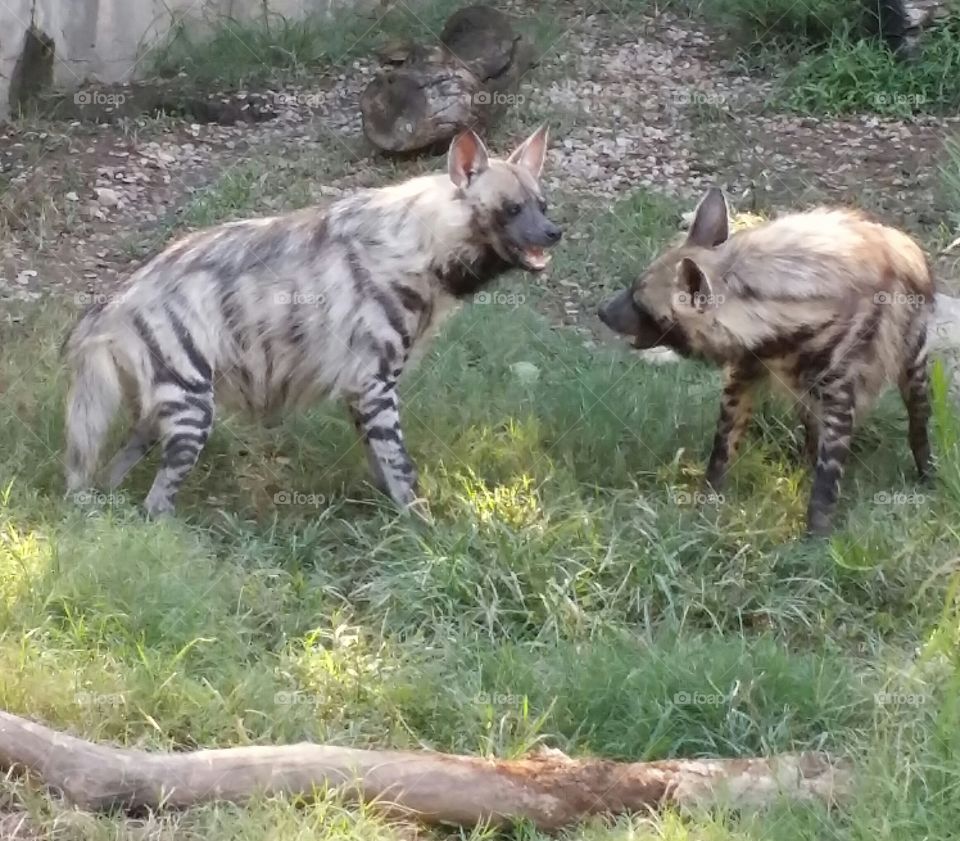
{"x":826,"y":304}
{"x":275,"y":313}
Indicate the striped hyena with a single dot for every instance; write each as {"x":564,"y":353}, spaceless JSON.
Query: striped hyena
{"x":828,"y":305}
{"x":275,"y":313}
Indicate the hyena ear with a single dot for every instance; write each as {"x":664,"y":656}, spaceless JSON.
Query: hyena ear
{"x":532,"y":152}
{"x":693,"y":286}
{"x":711,"y":220}
{"x":467,"y":158}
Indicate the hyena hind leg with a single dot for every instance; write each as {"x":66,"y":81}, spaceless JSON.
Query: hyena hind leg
{"x":377,"y":416}
{"x":93,"y":401}
{"x":915,"y":390}
{"x":736,"y":409}
{"x":183,"y":428}
{"x":142,"y":440}
{"x":811,"y":433}
{"x":836,"y":431}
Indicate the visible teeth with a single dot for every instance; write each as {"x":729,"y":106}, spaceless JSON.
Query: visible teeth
{"x":536,"y":257}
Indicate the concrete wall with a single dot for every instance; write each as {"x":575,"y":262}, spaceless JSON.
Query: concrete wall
{"x":106,"y":40}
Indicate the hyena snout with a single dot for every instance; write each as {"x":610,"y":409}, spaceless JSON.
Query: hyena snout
{"x":550,"y":234}
{"x":620,"y":315}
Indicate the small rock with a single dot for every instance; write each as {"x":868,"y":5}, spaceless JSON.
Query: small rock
{"x":107,"y":197}
{"x":72,"y":196}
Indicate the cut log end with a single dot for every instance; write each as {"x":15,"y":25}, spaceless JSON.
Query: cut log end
{"x":421,"y":102}
{"x":393,"y":106}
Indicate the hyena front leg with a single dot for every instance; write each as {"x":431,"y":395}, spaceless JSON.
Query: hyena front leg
{"x":836,"y":431}
{"x":811,"y":433}
{"x":915,"y":390}
{"x":183,"y":428}
{"x":736,"y":409}
{"x":374,"y":463}
{"x":377,"y":415}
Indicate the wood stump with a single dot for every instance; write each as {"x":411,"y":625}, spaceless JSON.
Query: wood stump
{"x":426,"y":95}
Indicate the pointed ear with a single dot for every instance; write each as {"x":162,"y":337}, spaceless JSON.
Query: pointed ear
{"x":467,"y":158}
{"x":710,"y":225}
{"x":532,"y":152}
{"x":693,"y":286}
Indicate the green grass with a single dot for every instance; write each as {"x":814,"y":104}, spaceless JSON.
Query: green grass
{"x":759,"y":24}
{"x":951,"y":182}
{"x":827,"y":59}
{"x":863,"y":75}
{"x":240,"y":52}
{"x":565,"y":593}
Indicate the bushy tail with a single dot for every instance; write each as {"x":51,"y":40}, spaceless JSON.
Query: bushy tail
{"x":94,"y":397}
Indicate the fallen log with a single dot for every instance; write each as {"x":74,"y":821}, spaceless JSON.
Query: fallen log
{"x":549,"y":789}
{"x":425,"y":96}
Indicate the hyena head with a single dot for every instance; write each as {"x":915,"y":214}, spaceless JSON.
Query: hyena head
{"x":674,"y":298}
{"x":507,"y":206}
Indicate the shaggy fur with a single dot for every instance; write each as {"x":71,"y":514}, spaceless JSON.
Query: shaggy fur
{"x":828,"y":305}
{"x":275,"y":313}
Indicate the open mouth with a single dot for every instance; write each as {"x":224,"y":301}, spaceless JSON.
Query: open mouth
{"x":534,"y":258}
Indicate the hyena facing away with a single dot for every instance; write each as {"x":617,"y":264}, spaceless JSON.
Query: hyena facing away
{"x":273,"y":313}
{"x":826,"y":304}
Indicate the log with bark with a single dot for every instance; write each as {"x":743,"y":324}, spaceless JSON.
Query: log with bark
{"x":548,"y":789}
{"x":426,"y":95}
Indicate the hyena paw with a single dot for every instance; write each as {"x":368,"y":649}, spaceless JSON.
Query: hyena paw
{"x":714,"y":482}
{"x":156,"y":508}
{"x":79,"y":495}
{"x":818,"y":525}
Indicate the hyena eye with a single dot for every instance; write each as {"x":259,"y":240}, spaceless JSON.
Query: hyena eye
{"x":543,"y":206}
{"x":513,"y":209}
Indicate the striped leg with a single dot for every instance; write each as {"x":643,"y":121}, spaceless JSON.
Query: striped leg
{"x":140,"y":443}
{"x":836,"y":431}
{"x":811,"y":433}
{"x":184,"y":426}
{"x":736,"y":408}
{"x":377,"y":416}
{"x":915,"y":389}
{"x":378,"y":478}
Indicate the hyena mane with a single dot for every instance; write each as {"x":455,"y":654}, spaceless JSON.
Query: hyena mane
{"x":270,"y":314}
{"x":828,"y":306}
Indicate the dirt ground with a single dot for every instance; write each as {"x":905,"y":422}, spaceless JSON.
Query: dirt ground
{"x":661,"y":105}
